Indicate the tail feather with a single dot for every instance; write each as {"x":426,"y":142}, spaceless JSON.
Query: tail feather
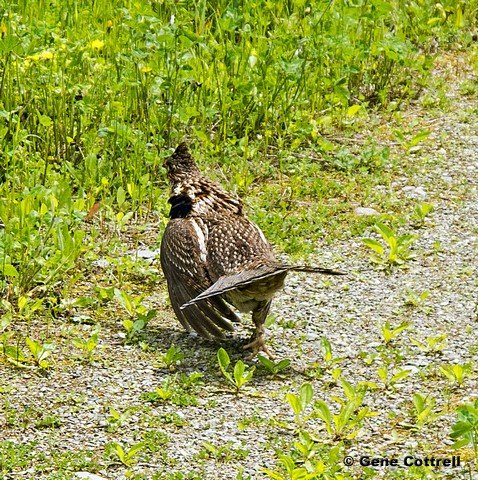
{"x":306,"y":268}
{"x":227,"y":283}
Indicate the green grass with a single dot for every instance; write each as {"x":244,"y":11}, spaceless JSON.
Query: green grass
{"x":94,"y":93}
{"x":15,"y":457}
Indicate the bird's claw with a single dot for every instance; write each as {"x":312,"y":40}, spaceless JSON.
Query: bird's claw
{"x":258,"y":345}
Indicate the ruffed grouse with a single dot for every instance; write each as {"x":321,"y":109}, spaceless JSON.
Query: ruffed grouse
{"x":212,"y":256}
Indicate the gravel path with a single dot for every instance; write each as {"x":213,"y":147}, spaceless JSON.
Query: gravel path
{"x":348,"y":312}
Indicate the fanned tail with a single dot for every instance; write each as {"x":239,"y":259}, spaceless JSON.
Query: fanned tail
{"x":227,"y":283}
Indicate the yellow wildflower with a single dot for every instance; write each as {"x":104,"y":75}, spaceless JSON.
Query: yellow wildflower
{"x":97,"y":44}
{"x":45,"y":55}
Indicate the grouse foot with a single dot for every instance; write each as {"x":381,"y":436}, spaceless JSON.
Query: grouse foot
{"x":258,"y":344}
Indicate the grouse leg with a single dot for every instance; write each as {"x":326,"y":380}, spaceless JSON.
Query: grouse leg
{"x":257,"y":343}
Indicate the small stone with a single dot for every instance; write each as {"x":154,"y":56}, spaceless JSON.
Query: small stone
{"x":447,"y":178}
{"x":312,"y":336}
{"x":365,"y":211}
{"x":89,"y":476}
{"x":420,"y":191}
{"x":145,"y":253}
{"x":101,"y":263}
{"x":415,"y":192}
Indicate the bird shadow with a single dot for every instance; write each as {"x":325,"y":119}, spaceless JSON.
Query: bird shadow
{"x":200,"y":354}
{"x":161,"y":338}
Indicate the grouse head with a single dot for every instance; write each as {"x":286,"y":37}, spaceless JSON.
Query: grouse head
{"x":181,"y":165}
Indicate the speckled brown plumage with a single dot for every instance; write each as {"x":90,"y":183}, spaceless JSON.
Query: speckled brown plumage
{"x":213,"y":257}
